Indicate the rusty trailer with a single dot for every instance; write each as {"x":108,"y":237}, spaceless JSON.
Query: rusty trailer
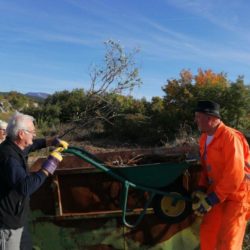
{"x":83,"y":207}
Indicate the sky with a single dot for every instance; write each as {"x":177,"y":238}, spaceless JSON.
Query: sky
{"x":50,"y":45}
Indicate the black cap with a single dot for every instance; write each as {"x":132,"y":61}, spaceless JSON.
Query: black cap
{"x":208,"y":107}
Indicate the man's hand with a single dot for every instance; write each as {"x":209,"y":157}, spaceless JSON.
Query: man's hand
{"x":202,"y":202}
{"x":53,"y":160}
{"x":60,"y":143}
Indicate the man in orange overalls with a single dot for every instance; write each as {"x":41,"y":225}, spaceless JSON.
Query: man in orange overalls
{"x":223,"y":198}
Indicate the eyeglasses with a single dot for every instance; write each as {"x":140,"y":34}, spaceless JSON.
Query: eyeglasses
{"x":30,"y":132}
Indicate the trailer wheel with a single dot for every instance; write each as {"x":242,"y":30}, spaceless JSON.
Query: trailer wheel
{"x":171,"y":210}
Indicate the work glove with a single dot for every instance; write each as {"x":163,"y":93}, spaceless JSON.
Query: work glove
{"x":196,"y":195}
{"x":53,"y":160}
{"x":202,"y":202}
{"x":59,"y":143}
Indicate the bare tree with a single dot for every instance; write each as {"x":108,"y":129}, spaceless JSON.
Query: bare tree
{"x":117,"y":75}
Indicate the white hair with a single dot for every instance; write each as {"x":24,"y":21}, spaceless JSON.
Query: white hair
{"x":17,"y":122}
{"x":3,"y":124}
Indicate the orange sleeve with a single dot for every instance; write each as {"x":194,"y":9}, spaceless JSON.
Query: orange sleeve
{"x":233,"y":169}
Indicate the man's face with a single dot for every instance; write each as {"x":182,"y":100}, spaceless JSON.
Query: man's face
{"x":27,"y":135}
{"x":203,"y":121}
{"x":2,"y":134}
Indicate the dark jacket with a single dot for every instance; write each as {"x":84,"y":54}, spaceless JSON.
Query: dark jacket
{"x":16,"y":183}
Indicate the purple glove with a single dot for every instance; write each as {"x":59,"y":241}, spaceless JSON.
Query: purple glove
{"x":52,"y":161}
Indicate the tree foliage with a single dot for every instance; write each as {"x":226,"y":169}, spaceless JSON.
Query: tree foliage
{"x":237,"y":105}
{"x":17,"y":100}
{"x":209,"y":78}
{"x":104,"y":109}
{"x":181,"y":96}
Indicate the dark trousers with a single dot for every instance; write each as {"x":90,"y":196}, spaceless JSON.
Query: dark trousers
{"x":26,"y":240}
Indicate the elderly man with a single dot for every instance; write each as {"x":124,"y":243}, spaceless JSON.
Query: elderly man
{"x":3,"y":126}
{"x":223,"y":199}
{"x":16,"y":183}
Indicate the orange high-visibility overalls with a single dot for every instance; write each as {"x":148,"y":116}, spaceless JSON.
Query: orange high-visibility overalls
{"x":225,"y":171}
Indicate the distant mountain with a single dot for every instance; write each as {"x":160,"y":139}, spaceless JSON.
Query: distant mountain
{"x":37,"y":95}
